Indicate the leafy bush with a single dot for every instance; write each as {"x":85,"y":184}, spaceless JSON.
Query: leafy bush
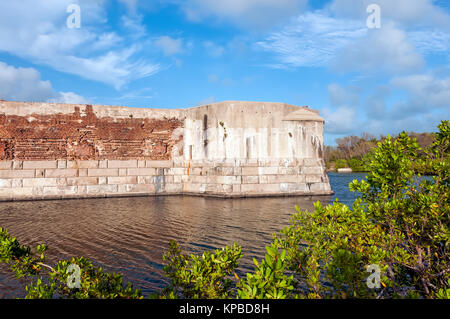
{"x":53,"y":281}
{"x":341,"y":163}
{"x":400,"y":223}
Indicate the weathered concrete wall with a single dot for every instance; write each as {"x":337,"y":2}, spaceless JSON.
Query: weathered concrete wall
{"x":222,"y":149}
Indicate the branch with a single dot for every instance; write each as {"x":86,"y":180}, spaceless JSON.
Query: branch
{"x":49,"y":267}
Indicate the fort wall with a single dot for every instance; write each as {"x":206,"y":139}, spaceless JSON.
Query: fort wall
{"x":227,"y":149}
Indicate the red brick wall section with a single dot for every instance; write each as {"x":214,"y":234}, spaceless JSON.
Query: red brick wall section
{"x":72,"y":136}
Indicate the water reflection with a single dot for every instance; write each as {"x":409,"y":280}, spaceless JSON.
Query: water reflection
{"x":130,"y":235}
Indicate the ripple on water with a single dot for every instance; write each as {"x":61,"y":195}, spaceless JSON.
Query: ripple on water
{"x":130,"y":235}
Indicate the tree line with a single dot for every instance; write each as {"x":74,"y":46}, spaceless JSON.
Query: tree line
{"x":355,"y":151}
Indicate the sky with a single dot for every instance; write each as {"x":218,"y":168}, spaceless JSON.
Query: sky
{"x":380,"y":71}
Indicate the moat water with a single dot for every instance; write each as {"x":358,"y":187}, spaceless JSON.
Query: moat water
{"x":130,"y":235}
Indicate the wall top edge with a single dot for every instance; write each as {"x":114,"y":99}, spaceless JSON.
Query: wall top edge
{"x":29,"y":108}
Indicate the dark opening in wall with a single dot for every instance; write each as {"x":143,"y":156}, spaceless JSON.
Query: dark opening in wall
{"x":205,"y":134}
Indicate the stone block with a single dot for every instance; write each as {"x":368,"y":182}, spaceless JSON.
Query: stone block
{"x":230,"y":180}
{"x":82,"y":172}
{"x":16,"y":182}
{"x":144,"y":180}
{"x":316,"y":187}
{"x":61,"y":181}
{"x":310,"y":162}
{"x":163,"y":164}
{"x":287,"y":162}
{"x":59,"y":172}
{"x":227,"y":188}
{"x":123,"y":180}
{"x":288,"y":170}
{"x":122,"y":164}
{"x":177,"y":179}
{"x":40,"y":173}
{"x":141,"y":163}
{"x":293,"y":187}
{"x":122,"y":172}
{"x":179,"y":162}
{"x":194,"y":188}
{"x":62,"y":164}
{"x":79,"y":181}
{"x":101,"y":189}
{"x":173,"y":188}
{"x":250,"y":179}
{"x":195,"y":171}
{"x":282,"y":179}
{"x":103,"y":171}
{"x":103,"y":164}
{"x":227,"y":171}
{"x":102,"y":181}
{"x":312,"y":170}
{"x":169,"y":178}
{"x":177,"y":171}
{"x":6,"y":164}
{"x":260,"y":188}
{"x":263,"y":179}
{"x":268,"y":162}
{"x":141,"y":171}
{"x":82,"y":189}
{"x":5,"y":183}
{"x":39,"y":182}
{"x":16,"y":192}
{"x":17,"y":165}
{"x":268,"y":170}
{"x":59,"y":190}
{"x":197,"y":179}
{"x":195,"y":163}
{"x":250,"y":162}
{"x":29,"y":173}
{"x":236,"y":188}
{"x":250,"y":170}
{"x":39,"y":164}
{"x":136,"y":188}
{"x":313,"y":178}
{"x":82,"y":164}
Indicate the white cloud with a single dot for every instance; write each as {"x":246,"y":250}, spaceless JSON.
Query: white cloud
{"x":69,"y":98}
{"x":25,"y":84}
{"x":413,"y":13}
{"x":312,"y":40}
{"x":37,"y":31}
{"x":425,"y":93}
{"x":212,"y":78}
{"x":244,"y":13}
{"x":386,"y":110}
{"x":342,"y":41}
{"x":343,"y":120}
{"x":130,"y":4}
{"x":386,"y":49}
{"x":208,"y":100}
{"x":213,"y":49}
{"x":169,"y":46}
{"x":339,"y":95}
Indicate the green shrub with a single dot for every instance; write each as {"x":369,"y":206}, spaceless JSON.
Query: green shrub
{"x":399,"y":223}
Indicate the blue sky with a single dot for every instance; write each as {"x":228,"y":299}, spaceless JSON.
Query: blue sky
{"x":182,"y":53}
